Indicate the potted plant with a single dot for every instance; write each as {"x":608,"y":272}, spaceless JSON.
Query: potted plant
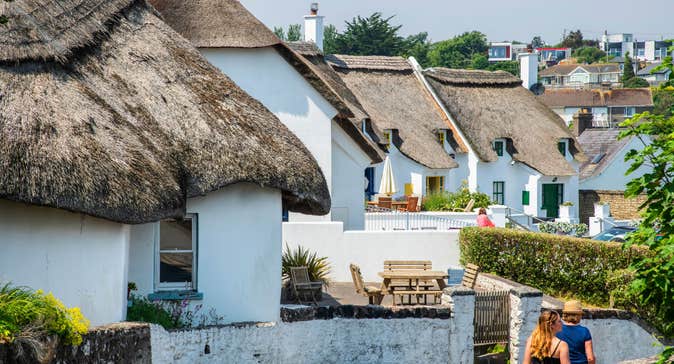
{"x":566,"y":210}
{"x":602,"y":209}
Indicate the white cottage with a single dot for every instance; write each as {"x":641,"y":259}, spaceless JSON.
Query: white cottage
{"x":405,"y":120}
{"x":109,"y":118}
{"x":518,"y":151}
{"x":233,"y":40}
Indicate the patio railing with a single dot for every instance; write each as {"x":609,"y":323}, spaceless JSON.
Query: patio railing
{"x":377,"y":218}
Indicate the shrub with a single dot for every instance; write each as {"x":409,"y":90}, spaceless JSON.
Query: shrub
{"x":31,"y":319}
{"x":446,"y":201}
{"x":563,"y":228}
{"x":318,"y":267}
{"x":171,"y":314}
{"x":557,"y":265}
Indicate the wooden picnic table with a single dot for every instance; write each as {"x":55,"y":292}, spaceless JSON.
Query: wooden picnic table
{"x":397,"y":204}
{"x":415,"y":277}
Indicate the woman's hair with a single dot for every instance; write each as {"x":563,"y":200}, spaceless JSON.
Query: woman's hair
{"x":541,"y":338}
{"x":573,"y":318}
{"x":482,"y":211}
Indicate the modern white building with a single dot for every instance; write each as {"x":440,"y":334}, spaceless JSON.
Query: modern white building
{"x":406,"y":120}
{"x":518,"y":151}
{"x":238,"y":44}
{"x":619,"y":44}
{"x":505,"y":51}
{"x":138,"y":128}
{"x":581,"y":75}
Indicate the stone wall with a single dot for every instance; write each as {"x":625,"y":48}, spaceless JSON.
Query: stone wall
{"x":117,"y":343}
{"x":621,"y":208}
{"x":346,"y":334}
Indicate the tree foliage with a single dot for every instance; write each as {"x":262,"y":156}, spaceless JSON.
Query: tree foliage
{"x":537,"y":42}
{"x":293,"y":34}
{"x":458,"y":52}
{"x":628,"y":70}
{"x":417,"y":46}
{"x":663,"y":101}
{"x":330,"y":35}
{"x":573,"y":40}
{"x":589,"y":55}
{"x":371,"y":36}
{"x":654,"y":274}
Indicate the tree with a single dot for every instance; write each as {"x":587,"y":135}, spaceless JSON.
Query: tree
{"x":293,"y":34}
{"x":458,"y":52}
{"x":628,"y":70}
{"x":654,"y":273}
{"x":513,"y":67}
{"x":588,"y":55}
{"x":479,"y":62}
{"x":537,"y":42}
{"x":635,"y":82}
{"x":330,"y":35}
{"x":417,"y":46}
{"x":663,"y":101}
{"x":373,"y":35}
{"x":573,"y":40}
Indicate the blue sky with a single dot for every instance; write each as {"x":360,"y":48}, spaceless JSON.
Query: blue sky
{"x":498,"y":19}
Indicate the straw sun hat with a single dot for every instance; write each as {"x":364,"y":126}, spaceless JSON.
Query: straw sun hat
{"x":572,"y":307}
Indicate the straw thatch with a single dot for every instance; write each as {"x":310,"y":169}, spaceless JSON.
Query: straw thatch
{"x":395,"y":99}
{"x":215,"y":23}
{"x":232,"y":26}
{"x":491,"y":105}
{"x":130,"y":127}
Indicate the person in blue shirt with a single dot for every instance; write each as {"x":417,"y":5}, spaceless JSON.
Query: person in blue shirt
{"x":578,"y":337}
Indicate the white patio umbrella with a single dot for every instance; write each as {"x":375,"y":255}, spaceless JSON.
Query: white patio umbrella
{"x":388,"y":183}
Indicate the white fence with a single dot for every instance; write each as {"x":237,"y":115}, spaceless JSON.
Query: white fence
{"x":396,"y":220}
{"x":369,"y":249}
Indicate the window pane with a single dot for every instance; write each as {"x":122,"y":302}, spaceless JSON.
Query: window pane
{"x":175,"y":267}
{"x":175,"y":235}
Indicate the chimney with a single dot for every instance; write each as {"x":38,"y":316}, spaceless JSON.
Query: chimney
{"x":528,"y":69}
{"x":581,"y":120}
{"x":313,"y":27}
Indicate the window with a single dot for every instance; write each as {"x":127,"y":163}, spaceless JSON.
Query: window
{"x":435,"y":184}
{"x":176,"y":243}
{"x":525,"y":198}
{"x":498,"y":148}
{"x":629,"y":112}
{"x":387,"y":139}
{"x":498,"y":194}
{"x":441,"y":136}
{"x":561,"y":146}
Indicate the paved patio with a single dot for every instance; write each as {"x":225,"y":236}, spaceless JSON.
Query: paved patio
{"x":344,"y":293}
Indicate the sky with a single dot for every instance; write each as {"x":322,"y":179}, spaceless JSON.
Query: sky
{"x":500,"y":20}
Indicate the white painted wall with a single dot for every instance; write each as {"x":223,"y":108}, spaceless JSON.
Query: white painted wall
{"x":82,"y":260}
{"x":613,"y":178}
{"x":406,"y":170}
{"x":316,"y":341}
{"x":348,"y":180}
{"x":239,"y":252}
{"x":369,"y":249}
{"x":616,"y":340}
{"x":264,"y":74}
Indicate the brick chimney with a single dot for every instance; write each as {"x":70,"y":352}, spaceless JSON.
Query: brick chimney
{"x":581,"y":120}
{"x":313,"y":27}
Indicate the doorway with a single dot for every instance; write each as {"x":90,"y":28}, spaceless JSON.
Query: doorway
{"x":553,"y":195}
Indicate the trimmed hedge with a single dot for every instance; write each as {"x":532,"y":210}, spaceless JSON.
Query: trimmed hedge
{"x":557,"y":265}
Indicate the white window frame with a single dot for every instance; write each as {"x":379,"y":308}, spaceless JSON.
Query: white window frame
{"x":629,"y":113}
{"x":176,"y":286}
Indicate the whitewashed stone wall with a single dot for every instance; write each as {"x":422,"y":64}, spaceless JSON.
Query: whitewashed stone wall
{"x":317,"y":341}
{"x":616,"y":340}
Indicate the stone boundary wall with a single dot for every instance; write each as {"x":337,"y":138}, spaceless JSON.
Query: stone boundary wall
{"x":125,"y":342}
{"x":621,"y":208}
{"x":297,"y":313}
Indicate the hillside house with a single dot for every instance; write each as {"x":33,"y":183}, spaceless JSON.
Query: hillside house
{"x":518,"y":151}
{"x":655,"y":76}
{"x":608,"y":107}
{"x":128,"y":157}
{"x":233,"y":40}
{"x":581,"y":75}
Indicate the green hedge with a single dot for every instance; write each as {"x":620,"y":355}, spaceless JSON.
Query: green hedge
{"x":557,"y":265}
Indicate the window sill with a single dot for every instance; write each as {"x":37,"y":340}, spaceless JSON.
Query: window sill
{"x":175,"y":296}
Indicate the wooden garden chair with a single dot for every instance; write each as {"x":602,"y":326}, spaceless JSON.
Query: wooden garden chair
{"x":412,"y":203}
{"x":470,"y":275}
{"x":373,"y":294}
{"x":302,"y":285}
{"x":468,"y":208}
{"x":384,"y":202}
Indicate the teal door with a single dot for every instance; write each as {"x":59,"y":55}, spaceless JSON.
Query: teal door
{"x":553,"y":195}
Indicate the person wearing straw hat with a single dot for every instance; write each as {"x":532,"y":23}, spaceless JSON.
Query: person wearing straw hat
{"x":578,"y":337}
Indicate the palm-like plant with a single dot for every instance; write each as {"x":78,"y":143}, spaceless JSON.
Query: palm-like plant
{"x":318,"y":267}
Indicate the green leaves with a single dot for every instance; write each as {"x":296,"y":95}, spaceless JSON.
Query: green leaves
{"x":318,"y":267}
{"x":371,"y":36}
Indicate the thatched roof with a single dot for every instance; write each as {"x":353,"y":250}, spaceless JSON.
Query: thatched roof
{"x":230,"y":25}
{"x":134,"y":124}
{"x":597,"y":98}
{"x":491,"y":105}
{"x":395,"y":99}
{"x":215,"y":23}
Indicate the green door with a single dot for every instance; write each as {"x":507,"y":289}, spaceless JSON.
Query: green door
{"x":553,"y":195}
